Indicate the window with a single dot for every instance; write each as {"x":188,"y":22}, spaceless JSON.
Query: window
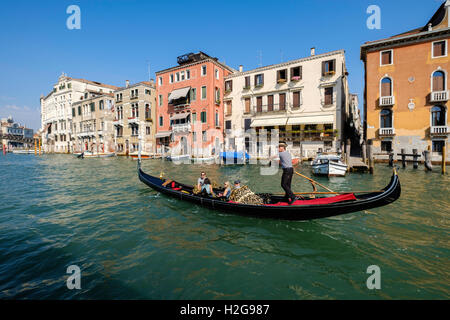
{"x":69,"y":85}
{"x":296,"y":99}
{"x":386,"y":57}
{"x":437,"y":145}
{"x":193,"y":94}
{"x":147,"y":111}
{"x":259,"y":80}
{"x":194,"y":136}
{"x":439,"y":49}
{"x":101,"y":105}
{"x":217,"y":119}
{"x":217,"y":74}
{"x":217,"y":95}
{"x":79,"y":110}
{"x":203,"y":92}
{"x":386,"y":87}
{"x":328,"y":67}
{"x":161,"y":121}
{"x":247,"y":82}
{"x":247,"y":124}
{"x":203,"y":70}
{"x":228,"y":86}
{"x":194,"y":117}
{"x":247,"y":105}
{"x":160,"y":82}
{"x":182,"y":75}
{"x":282,"y":76}
{"x":282,"y":97}
{"x":228,"y":108}
{"x":270,"y":102}
{"x":204,"y":136}
{"x":73,"y":112}
{"x":160,"y":100}
{"x":386,"y":146}
{"x":438,"y":116}
{"x":177,"y":76}
{"x":171,"y":78}
{"x":228,"y":125}
{"x":328,"y":96}
{"x":386,"y":118}
{"x":203,"y":116}
{"x":258,"y":104}
{"x":188,"y":74}
{"x":296,"y":73}
{"x":438,"y":81}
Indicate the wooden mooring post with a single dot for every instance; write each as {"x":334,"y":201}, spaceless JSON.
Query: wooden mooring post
{"x":444,"y":153}
{"x":403,"y":154}
{"x":391,"y":159}
{"x":347,"y":151}
{"x":427,"y":161}
{"x":370,"y":155}
{"x":415,"y":159}
{"x":364,"y":152}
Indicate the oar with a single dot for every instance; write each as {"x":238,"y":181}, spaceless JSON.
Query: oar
{"x":313,"y":182}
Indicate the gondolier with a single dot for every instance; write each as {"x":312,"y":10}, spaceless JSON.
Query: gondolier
{"x":288,"y":171}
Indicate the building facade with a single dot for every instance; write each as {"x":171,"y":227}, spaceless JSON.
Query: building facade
{"x":406,"y":88}
{"x":134,"y":115}
{"x":92,"y":123}
{"x":15,"y":136}
{"x":305,"y":100}
{"x":56,"y":111}
{"x":190,"y":106}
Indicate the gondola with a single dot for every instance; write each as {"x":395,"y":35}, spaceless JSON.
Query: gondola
{"x":275,"y":207}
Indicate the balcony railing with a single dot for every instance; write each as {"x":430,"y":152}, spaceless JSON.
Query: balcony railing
{"x":134,"y":97}
{"x":269,"y":108}
{"x":133,"y":120}
{"x":387,"y":131}
{"x":439,"y":130}
{"x":181,"y":127}
{"x":118,"y":122}
{"x":387,"y":101}
{"x":439,"y":96}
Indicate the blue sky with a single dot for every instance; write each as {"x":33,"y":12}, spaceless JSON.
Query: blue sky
{"x":119,"y":37}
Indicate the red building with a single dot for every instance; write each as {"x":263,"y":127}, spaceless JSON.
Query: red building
{"x":189,"y":111}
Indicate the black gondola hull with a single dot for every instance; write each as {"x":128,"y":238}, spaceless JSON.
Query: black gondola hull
{"x":302,"y":212}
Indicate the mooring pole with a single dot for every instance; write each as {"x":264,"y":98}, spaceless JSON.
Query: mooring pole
{"x":364,"y":152}
{"x":391,"y":159}
{"x":415,"y":159}
{"x":403,"y":158}
{"x":370,"y":155}
{"x":427,"y":162}
{"x":444,"y":151}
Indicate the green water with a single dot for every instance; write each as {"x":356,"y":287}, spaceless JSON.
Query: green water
{"x":133,"y":243}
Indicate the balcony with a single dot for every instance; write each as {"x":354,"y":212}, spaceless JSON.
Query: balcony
{"x":387,"y":101}
{"x":181,"y":127}
{"x":272,"y":108}
{"x":439,"y":130}
{"x":133,"y":120}
{"x":134,"y":97}
{"x":439,"y":96}
{"x":386,"y":132}
{"x":118,"y":122}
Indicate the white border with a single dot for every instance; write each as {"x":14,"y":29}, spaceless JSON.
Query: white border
{"x":432,"y":49}
{"x":392,"y":57}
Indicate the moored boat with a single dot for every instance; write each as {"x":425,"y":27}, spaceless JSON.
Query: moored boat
{"x":275,"y":206}
{"x":329,"y":165}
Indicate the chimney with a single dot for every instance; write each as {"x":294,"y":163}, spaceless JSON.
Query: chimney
{"x":241,"y":68}
{"x":127,"y":83}
{"x":430,"y":27}
{"x":313,"y":51}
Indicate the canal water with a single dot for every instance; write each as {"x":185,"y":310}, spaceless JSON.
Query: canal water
{"x":133,"y":243}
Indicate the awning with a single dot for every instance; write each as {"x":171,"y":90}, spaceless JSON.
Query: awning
{"x":179,"y":93}
{"x":163,"y":134}
{"x":179,"y":116}
{"x":325,"y":119}
{"x":269,"y":122}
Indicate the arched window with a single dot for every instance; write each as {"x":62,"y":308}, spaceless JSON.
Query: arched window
{"x":386,"y":118}
{"x":386,"y":87}
{"x":438,"y":116}
{"x":438,"y":81}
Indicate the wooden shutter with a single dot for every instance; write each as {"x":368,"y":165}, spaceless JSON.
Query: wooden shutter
{"x":282,"y":101}
{"x":438,"y":82}
{"x":439,"y":49}
{"x":386,"y":57}
{"x":259,"y":104}
{"x":270,"y":103}
{"x":301,"y":71}
{"x":386,"y":89}
{"x":323,"y":68}
{"x":247,"y":105}
{"x":296,"y":100}
{"x":328,"y":96}
{"x":228,"y":107}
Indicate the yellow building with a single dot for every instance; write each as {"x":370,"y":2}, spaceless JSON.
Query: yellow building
{"x":406,"y":88}
{"x":134,"y":115}
{"x":92,"y":123}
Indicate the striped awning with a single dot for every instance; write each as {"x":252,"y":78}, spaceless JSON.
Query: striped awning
{"x":323,"y":119}
{"x":179,"y":93}
{"x":179,"y":116}
{"x":163,"y":134}
{"x":269,"y":122}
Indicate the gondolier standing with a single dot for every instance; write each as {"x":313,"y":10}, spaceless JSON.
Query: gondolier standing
{"x":288,"y":171}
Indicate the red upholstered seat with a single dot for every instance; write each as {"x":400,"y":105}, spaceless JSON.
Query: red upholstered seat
{"x":340,"y":198}
{"x":176,"y":189}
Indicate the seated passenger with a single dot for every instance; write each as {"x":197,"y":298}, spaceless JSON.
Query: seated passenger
{"x":227,"y":192}
{"x":207,"y":188}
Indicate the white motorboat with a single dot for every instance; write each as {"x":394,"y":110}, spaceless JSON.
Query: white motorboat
{"x":329,"y":165}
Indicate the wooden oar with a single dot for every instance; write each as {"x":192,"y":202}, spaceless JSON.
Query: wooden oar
{"x":313,"y":182}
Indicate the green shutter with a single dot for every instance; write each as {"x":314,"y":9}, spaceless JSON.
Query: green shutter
{"x":92,"y":106}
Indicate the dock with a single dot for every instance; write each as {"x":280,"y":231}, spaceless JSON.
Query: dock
{"x":355,"y":164}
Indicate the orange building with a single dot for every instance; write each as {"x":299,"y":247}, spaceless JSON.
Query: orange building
{"x":189,"y":111}
{"x":406,"y":88}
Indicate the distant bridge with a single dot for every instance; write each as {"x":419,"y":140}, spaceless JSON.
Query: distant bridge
{"x":15,"y":138}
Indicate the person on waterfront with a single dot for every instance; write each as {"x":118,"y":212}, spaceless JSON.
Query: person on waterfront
{"x":288,"y":171}
{"x":227,"y":192}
